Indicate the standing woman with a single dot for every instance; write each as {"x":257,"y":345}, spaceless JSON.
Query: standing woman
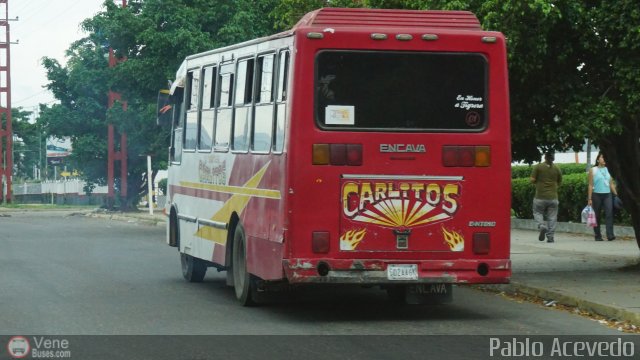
{"x":600,"y":189}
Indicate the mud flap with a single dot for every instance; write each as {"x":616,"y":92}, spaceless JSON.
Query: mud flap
{"x":428,"y":294}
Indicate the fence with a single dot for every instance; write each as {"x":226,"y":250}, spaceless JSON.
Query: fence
{"x":69,"y":192}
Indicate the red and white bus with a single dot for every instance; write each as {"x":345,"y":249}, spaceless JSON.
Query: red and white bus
{"x":363,"y":146}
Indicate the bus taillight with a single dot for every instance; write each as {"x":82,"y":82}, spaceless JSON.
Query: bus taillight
{"x":481,"y":243}
{"x":320,"y":154}
{"x":320,"y":242}
{"x":483,"y":156}
{"x":337,"y":154}
{"x":466,"y":156}
{"x":354,"y":154}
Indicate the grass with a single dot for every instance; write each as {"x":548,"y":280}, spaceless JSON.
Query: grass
{"x":14,"y":206}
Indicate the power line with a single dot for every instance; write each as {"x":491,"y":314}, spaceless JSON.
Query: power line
{"x":30,"y":96}
{"x":48,"y":21}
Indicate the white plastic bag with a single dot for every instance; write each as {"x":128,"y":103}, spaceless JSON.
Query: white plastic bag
{"x":585,"y":213}
{"x":591,"y":218}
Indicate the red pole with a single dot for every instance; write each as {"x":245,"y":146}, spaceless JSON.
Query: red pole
{"x":6,"y":158}
{"x":113,"y":155}
{"x":123,"y":166}
{"x":110,"y":161}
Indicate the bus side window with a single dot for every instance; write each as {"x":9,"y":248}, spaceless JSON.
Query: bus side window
{"x":175,"y":151}
{"x":225,"y":107}
{"x":263,"y":120}
{"x":191,"y":120}
{"x":281,"y":100}
{"x":243,"y":98}
{"x":208,"y":108}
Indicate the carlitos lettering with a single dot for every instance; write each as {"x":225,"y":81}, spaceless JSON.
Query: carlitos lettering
{"x":528,"y":348}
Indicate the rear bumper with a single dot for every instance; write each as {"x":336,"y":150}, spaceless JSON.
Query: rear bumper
{"x":365,"y":271}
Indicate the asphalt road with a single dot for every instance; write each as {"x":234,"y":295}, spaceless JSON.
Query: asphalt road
{"x":64,"y":274}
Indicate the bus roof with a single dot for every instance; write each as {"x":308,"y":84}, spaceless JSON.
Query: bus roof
{"x":354,"y":17}
{"x":336,"y":18}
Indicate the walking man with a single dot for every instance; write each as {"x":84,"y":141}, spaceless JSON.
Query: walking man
{"x":547,"y":177}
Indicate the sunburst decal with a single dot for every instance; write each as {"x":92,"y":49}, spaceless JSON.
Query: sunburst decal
{"x":351,"y":239}
{"x":401,"y":213}
{"x":453,"y":239}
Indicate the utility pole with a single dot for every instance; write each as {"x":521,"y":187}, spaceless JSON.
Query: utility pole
{"x":6,"y":133}
{"x":114,"y":155}
{"x":150,"y":184}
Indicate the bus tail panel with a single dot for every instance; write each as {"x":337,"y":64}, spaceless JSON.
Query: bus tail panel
{"x":375,"y":271}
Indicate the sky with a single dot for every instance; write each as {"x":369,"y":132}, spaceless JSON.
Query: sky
{"x":44,"y":28}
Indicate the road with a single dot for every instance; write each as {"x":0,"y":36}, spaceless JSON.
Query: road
{"x":75,"y":275}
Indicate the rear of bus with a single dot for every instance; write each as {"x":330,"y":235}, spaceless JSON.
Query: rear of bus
{"x":399,"y":155}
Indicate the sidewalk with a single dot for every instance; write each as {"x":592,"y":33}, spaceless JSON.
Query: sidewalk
{"x":598,"y":277}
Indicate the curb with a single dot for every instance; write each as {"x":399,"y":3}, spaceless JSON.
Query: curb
{"x":608,"y":311}
{"x":569,"y":227}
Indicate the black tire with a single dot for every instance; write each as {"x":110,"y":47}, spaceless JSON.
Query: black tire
{"x":193,"y":269}
{"x":243,"y":282}
{"x":174,"y":239}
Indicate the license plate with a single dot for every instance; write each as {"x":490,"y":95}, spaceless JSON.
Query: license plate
{"x":402,"y":272}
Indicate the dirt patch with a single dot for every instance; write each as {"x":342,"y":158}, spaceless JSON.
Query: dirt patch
{"x":631,"y":268}
{"x":623,"y":326}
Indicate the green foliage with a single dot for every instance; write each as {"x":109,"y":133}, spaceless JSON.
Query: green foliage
{"x":521,"y":171}
{"x":568,"y":169}
{"x":522,"y":192}
{"x":29,"y":147}
{"x":524,"y":171}
{"x":572,"y":195}
{"x":153,"y":36}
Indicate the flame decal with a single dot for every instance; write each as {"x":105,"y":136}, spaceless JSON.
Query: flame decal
{"x":400,"y":213}
{"x":453,"y":239}
{"x":351,"y":239}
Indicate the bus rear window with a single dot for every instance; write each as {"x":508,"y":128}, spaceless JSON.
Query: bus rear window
{"x":401,"y":91}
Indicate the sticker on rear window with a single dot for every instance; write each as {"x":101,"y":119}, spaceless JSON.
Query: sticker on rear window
{"x":339,"y":115}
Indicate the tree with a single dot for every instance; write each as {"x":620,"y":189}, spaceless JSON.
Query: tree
{"x":573,"y":75}
{"x":288,"y":12}
{"x":154,"y":36}
{"x":28,"y":149}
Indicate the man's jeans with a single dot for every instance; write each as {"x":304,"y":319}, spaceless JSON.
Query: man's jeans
{"x":546,"y":210}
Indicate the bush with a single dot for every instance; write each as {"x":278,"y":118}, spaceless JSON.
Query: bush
{"x":521,"y":171}
{"x":524,"y":171}
{"x":522,"y":192}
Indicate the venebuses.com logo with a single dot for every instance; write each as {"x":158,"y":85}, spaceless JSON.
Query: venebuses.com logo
{"x":18,"y":347}
{"x":38,"y":347}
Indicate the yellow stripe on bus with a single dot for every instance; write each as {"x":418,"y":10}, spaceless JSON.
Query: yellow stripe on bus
{"x":236,"y":203}
{"x":236,"y":190}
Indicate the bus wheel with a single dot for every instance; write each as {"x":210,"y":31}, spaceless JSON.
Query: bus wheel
{"x":193,"y":269}
{"x":173,"y":232}
{"x":243,"y":282}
